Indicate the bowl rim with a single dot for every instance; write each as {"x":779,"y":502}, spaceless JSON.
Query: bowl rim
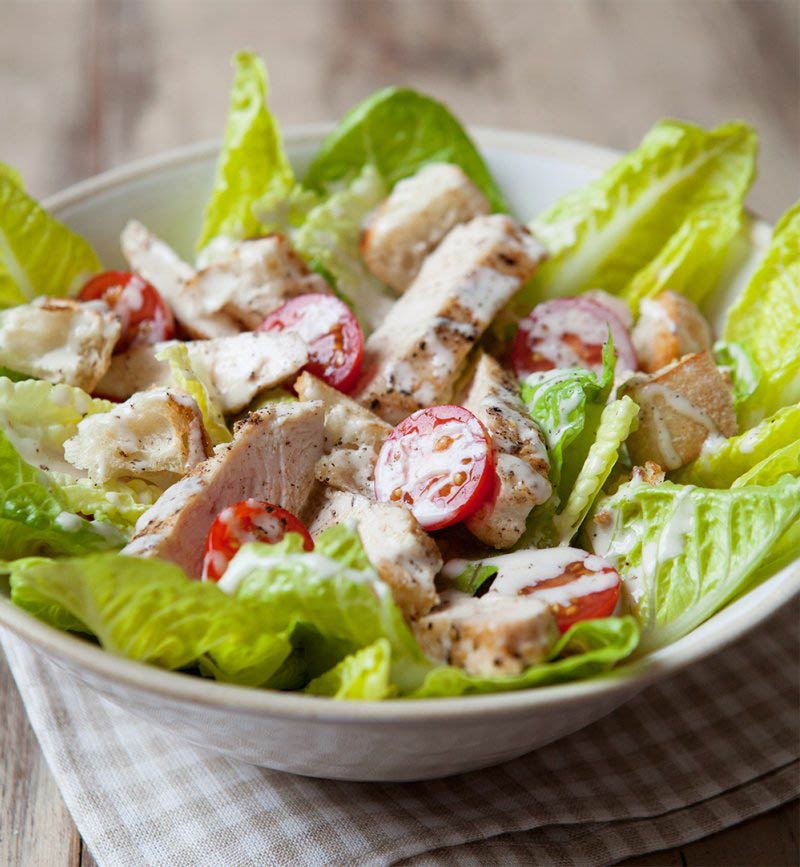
{"x":634,"y":676}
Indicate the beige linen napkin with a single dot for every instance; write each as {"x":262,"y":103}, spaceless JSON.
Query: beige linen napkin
{"x":710,"y":747}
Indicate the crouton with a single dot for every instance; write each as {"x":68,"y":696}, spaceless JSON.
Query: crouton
{"x":156,"y":262}
{"x":412,"y":358}
{"x":679,"y":407}
{"x":521,"y":462}
{"x":271,"y":458}
{"x":490,"y":635}
{"x":253,"y":279}
{"x":60,"y":340}
{"x":353,"y":438}
{"x":411,"y":223}
{"x":237,"y":367}
{"x":669,"y":327}
{"x":157,"y":435}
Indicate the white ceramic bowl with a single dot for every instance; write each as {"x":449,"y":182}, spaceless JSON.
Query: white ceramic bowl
{"x":394,"y":740}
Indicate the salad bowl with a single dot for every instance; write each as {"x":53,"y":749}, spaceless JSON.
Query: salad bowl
{"x":357,"y":740}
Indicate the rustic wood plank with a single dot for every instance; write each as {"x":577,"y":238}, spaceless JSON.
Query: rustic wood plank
{"x":35,"y":828}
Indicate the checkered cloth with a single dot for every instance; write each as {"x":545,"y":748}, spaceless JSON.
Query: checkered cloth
{"x":714,"y":745}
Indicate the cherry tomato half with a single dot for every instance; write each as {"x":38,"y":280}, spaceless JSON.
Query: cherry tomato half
{"x":575,"y":584}
{"x":569,"y":332}
{"x":243,"y":522}
{"x":145,"y":316}
{"x":440,"y":463}
{"x":334,"y":337}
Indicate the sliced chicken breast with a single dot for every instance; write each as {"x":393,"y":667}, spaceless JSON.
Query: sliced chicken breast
{"x":412,"y":358}
{"x":160,"y":265}
{"x":271,"y":458}
{"x":60,"y":340}
{"x":412,"y":221}
{"x":521,"y":461}
{"x":237,"y":367}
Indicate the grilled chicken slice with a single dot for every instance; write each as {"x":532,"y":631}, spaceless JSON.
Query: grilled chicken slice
{"x":160,"y":265}
{"x":669,"y":327}
{"x":271,"y":458}
{"x":490,"y":635}
{"x":679,"y":407}
{"x":521,"y":461}
{"x":411,"y":223}
{"x":157,"y":435}
{"x":237,"y":367}
{"x":255,"y":278}
{"x":59,"y":340}
{"x":412,"y":358}
{"x":353,"y":438}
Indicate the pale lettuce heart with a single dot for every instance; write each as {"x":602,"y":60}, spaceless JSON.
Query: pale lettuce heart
{"x":364,"y":675}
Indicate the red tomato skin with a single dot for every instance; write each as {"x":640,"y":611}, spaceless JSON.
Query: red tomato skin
{"x":335,"y":355}
{"x":236,"y":525}
{"x":481,"y":478}
{"x":145,"y":317}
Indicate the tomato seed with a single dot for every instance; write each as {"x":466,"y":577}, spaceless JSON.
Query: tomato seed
{"x":397,"y":494}
{"x":444,"y":442}
{"x":459,"y":478}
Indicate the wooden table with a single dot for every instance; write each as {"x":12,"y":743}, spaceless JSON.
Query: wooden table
{"x":87,"y":84}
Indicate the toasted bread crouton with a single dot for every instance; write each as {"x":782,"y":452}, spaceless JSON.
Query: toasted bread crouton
{"x":412,"y":358}
{"x":679,"y":407}
{"x":669,"y":327}
{"x":255,"y":278}
{"x":403,"y":554}
{"x":157,"y":435}
{"x":521,"y":461}
{"x":271,"y":458}
{"x":353,"y":438}
{"x":60,"y":340}
{"x":160,"y":265}
{"x":410,"y":224}
{"x":490,"y":635}
{"x":237,"y":367}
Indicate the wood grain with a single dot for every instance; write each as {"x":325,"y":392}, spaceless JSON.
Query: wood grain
{"x":89,"y":84}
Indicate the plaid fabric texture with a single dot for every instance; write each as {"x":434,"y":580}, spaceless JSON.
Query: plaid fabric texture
{"x":712,"y":746}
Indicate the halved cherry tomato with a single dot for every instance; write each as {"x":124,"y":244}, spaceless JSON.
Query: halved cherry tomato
{"x":334,"y":337}
{"x":145,"y":316}
{"x":440,"y":463}
{"x":569,"y":332}
{"x":247,"y":521}
{"x":575,"y":584}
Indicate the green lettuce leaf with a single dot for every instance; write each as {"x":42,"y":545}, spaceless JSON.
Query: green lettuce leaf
{"x":398,"y":131}
{"x":616,"y":422}
{"x":38,"y":254}
{"x":736,"y":361}
{"x":120,"y":503}
{"x":473,"y":577}
{"x":150,"y":611}
{"x":758,"y":456}
{"x":589,"y":648}
{"x":34,"y":518}
{"x":365,"y":675}
{"x":252,"y":163}
{"x":333,"y":594}
{"x":662,"y":217}
{"x":764,"y":322}
{"x":684,"y":552}
{"x":194,"y":383}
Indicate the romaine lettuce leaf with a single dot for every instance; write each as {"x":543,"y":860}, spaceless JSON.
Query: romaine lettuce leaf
{"x":589,"y":648}
{"x":252,"y":163}
{"x":150,"y":611}
{"x":736,"y":361}
{"x":120,"y":503}
{"x":363,"y":675}
{"x":191,"y":380}
{"x":34,"y":518}
{"x":662,"y":217}
{"x":764,"y":321}
{"x":38,"y":254}
{"x":333,"y":593}
{"x":616,"y":422}
{"x":766,"y":451}
{"x":398,"y":131}
{"x":684,"y":552}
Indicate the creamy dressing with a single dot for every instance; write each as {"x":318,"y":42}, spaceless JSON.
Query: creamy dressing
{"x":69,"y":522}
